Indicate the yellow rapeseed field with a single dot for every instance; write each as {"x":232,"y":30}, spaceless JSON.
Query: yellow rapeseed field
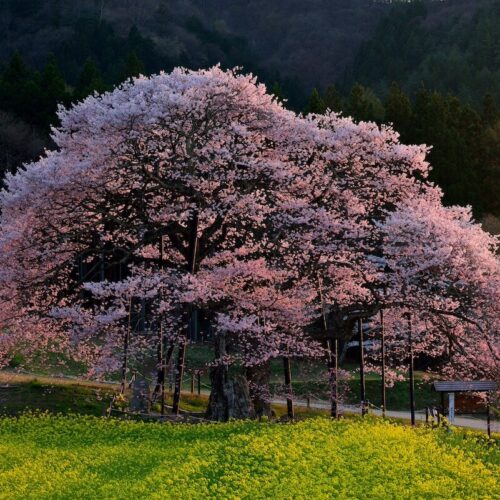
{"x":60,"y":457}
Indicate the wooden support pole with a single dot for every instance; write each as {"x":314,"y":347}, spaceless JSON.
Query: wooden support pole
{"x":161,"y":348}
{"x":192,"y":382}
{"x":181,"y":358}
{"x":488,"y":415}
{"x":336,"y":368}
{"x":179,"y":374}
{"x":382,"y":334}
{"x":198,"y":376}
{"x":333,"y":367}
{"x":171,"y":378}
{"x":332,"y":360}
{"x":162,"y":370}
{"x":362,"y":368}
{"x":288,"y":385}
{"x":126,"y":342}
{"x":167,"y":357}
{"x":412,"y":375}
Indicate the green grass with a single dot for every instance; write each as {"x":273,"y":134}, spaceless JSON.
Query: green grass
{"x":310,"y":378}
{"x":20,"y":393}
{"x":44,"y":457}
{"x":307,"y":378}
{"x":59,"y":397}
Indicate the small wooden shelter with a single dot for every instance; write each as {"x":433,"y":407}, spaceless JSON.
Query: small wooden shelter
{"x":453,"y":386}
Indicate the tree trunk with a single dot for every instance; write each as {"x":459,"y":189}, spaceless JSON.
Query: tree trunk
{"x":140,"y":395}
{"x":258,"y":379}
{"x":179,"y":373}
{"x":229,"y":397}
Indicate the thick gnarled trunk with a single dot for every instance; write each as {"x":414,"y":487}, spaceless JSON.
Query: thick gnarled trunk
{"x":258,"y":379}
{"x":229,"y":397}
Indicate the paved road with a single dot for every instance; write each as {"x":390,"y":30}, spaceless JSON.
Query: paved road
{"x":476,"y":423}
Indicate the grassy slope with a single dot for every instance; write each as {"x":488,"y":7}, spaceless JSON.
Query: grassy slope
{"x":44,"y":392}
{"x":47,"y":457}
{"x":47,"y":393}
{"x":311,"y":378}
{"x":20,"y":393}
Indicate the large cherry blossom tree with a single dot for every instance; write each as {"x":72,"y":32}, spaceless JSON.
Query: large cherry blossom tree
{"x":199,"y":191}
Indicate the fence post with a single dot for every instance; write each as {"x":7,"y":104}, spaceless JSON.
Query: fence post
{"x":412,"y":376}
{"x":288,"y":384}
{"x":382,"y":325}
{"x":488,"y":415}
{"x":362,"y":368}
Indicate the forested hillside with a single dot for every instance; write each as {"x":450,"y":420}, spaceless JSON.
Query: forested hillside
{"x":449,"y":44}
{"x":417,"y":45}
{"x":430,"y":67}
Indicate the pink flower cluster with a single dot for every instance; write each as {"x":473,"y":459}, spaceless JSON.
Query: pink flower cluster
{"x":213,"y":196}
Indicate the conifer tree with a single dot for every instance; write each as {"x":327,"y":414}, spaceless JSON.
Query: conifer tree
{"x":315,"y":103}
{"x":90,"y":81}
{"x":53,"y":91}
{"x":398,"y":111}
{"x":363,"y":105}
{"x":490,"y":111}
{"x":332,"y":98}
{"x":133,"y":66}
{"x":277,"y":91}
{"x":19,"y":88}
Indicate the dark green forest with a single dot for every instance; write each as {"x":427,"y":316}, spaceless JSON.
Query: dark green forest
{"x":433,"y":73}
{"x":451,"y":54}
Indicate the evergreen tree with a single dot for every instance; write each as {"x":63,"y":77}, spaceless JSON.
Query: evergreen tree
{"x":398,"y":111}
{"x":144,"y":48}
{"x":332,"y":98}
{"x":277,"y":91}
{"x":90,"y":81}
{"x":19,"y":88}
{"x":53,"y":91}
{"x":455,"y":133}
{"x":490,"y":111}
{"x":363,"y":105}
{"x":490,"y":185}
{"x":133,"y":67}
{"x":17,"y":72}
{"x":315,"y":103}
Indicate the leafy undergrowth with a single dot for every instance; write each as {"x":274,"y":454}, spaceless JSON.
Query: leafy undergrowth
{"x":44,"y":456}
